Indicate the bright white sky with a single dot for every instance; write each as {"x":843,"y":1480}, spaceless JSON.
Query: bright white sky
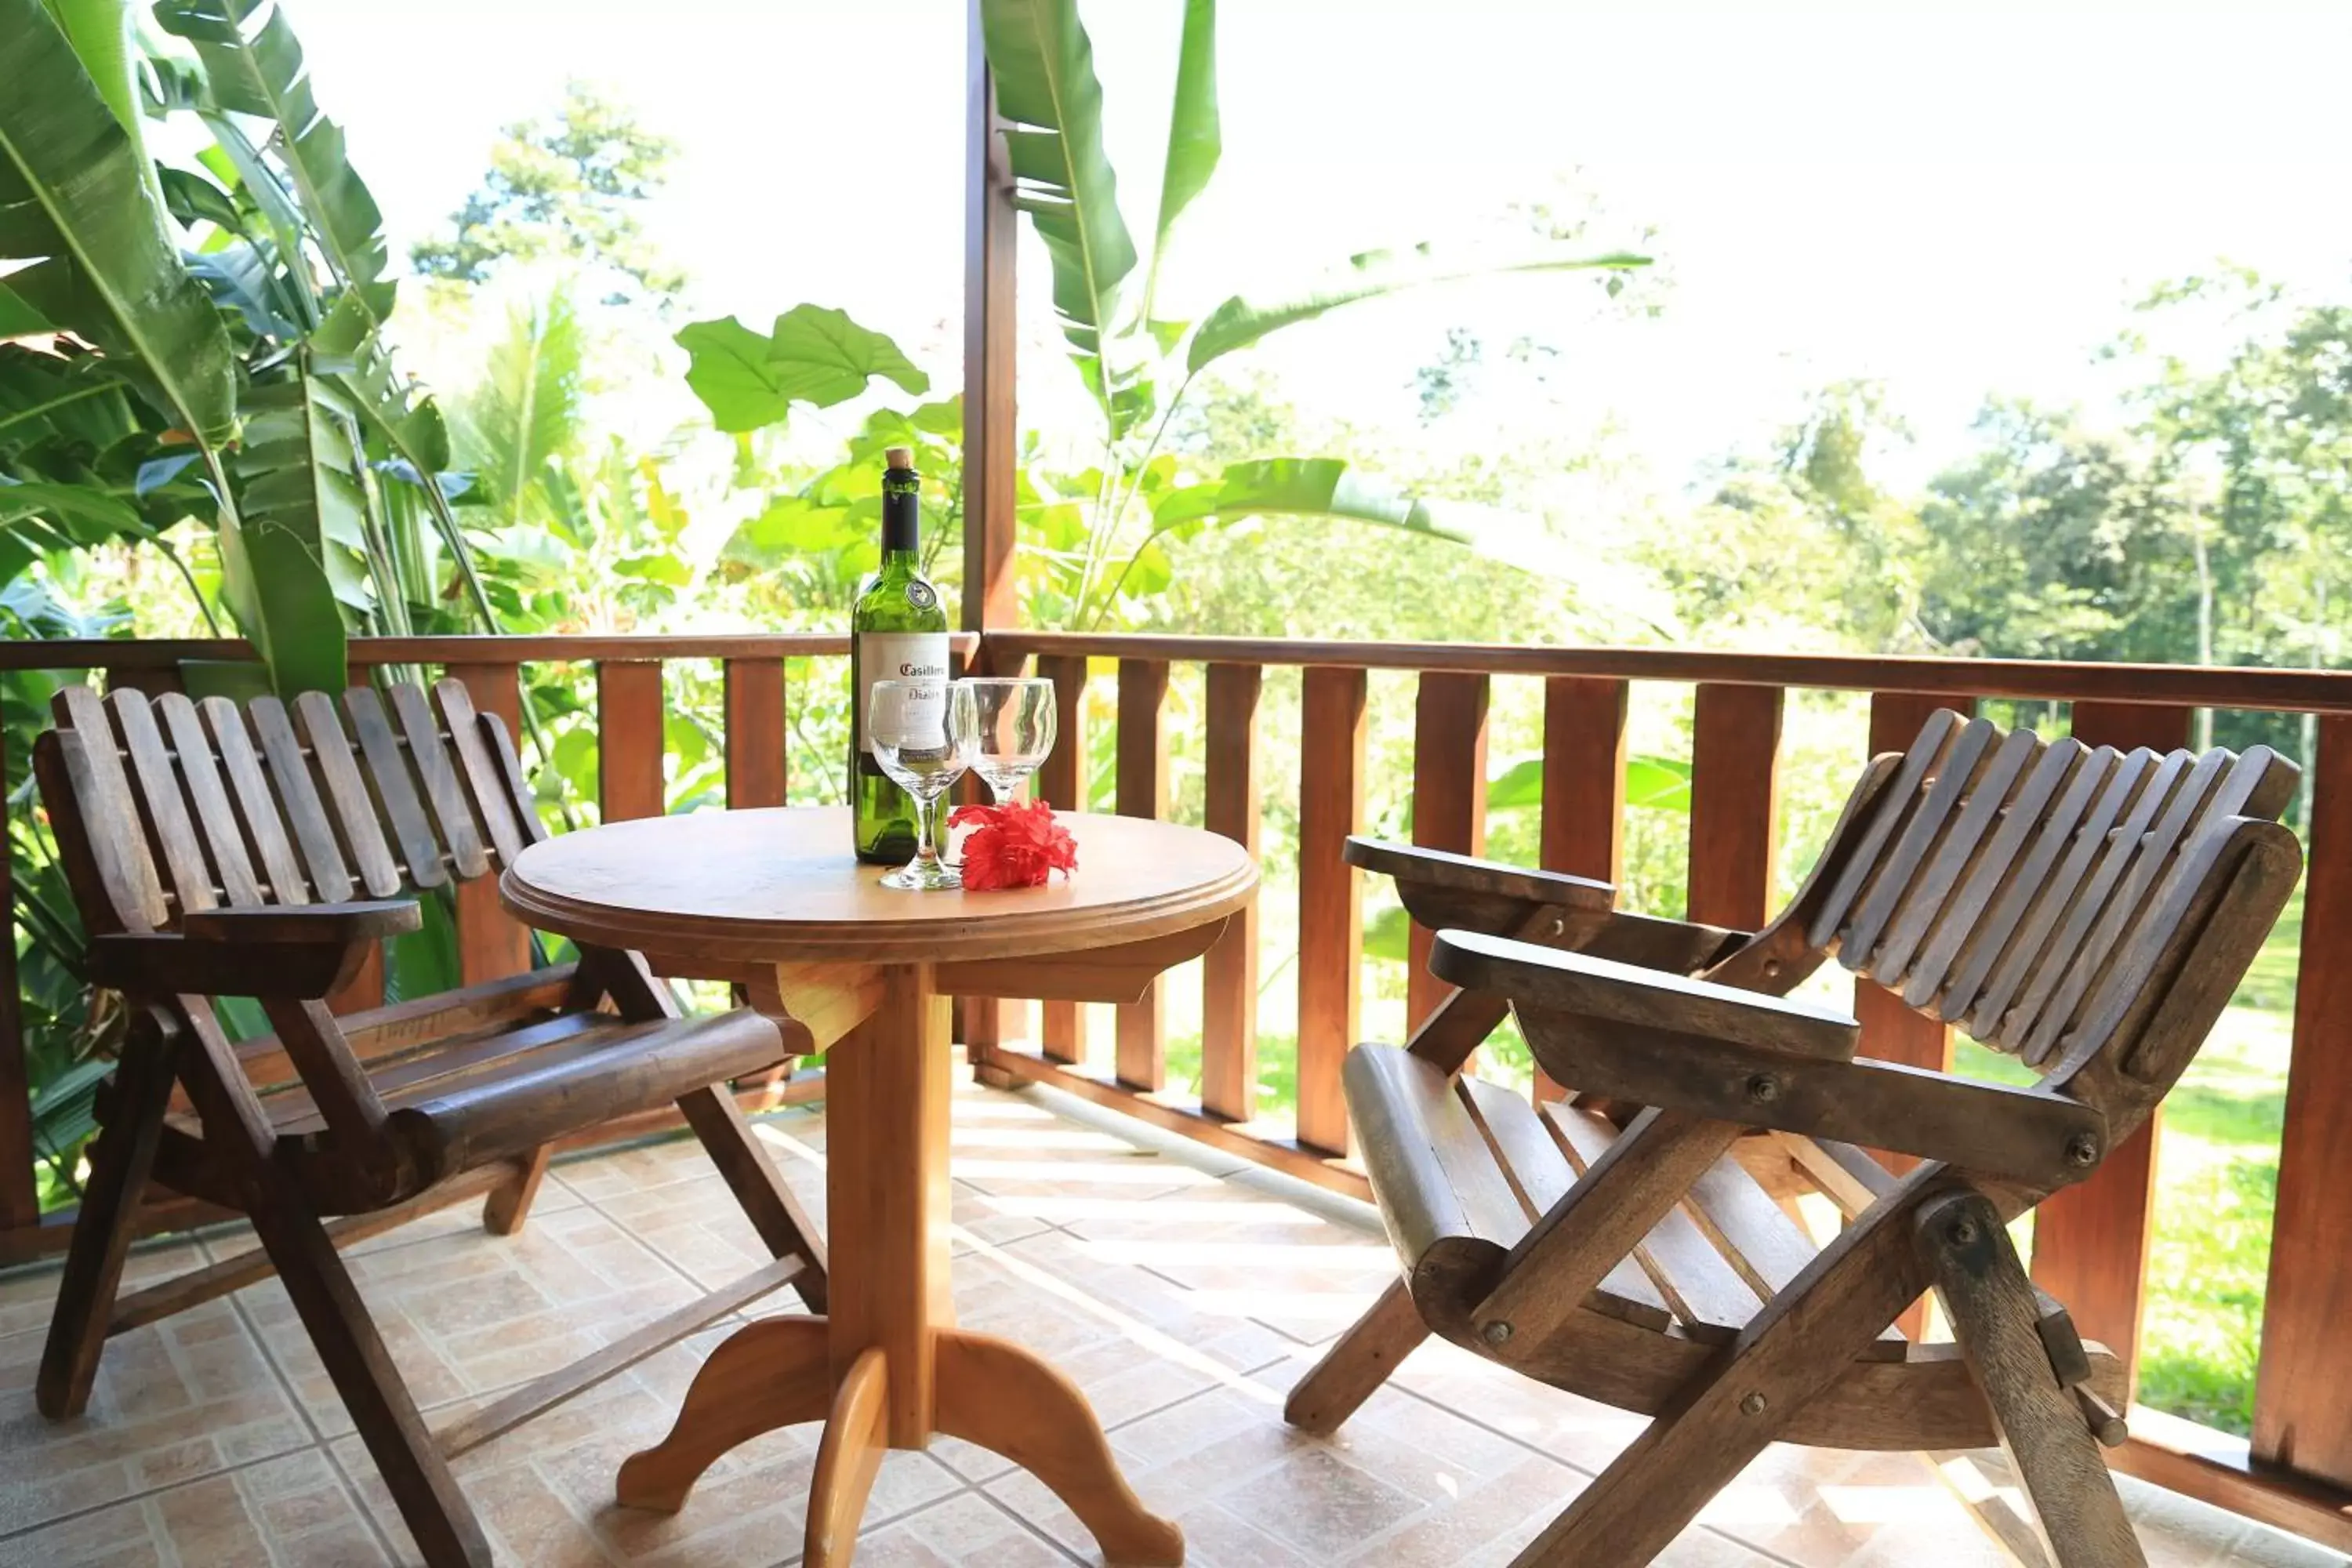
{"x":1954,"y":199}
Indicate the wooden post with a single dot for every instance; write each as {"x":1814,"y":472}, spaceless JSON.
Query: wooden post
{"x":20,"y":1203}
{"x":1734,"y":803}
{"x":2090,"y":1241}
{"x":991,"y":339}
{"x":1330,"y":913}
{"x":2303,"y":1391}
{"x":1890,"y":1030}
{"x":1229,"y":970}
{"x":1142,"y":782}
{"x":629,"y":742}
{"x":755,"y":698}
{"x":1062,"y":783}
{"x":1449,"y":803}
{"x":1583,"y":788}
{"x":492,"y":944}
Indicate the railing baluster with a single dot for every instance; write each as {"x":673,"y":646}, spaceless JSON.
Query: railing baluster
{"x":492,"y":944}
{"x":629,"y":738}
{"x":2090,"y":1241}
{"x":2301,"y":1415}
{"x":1330,"y":914}
{"x":755,"y":732}
{"x":1142,"y":783}
{"x":1229,"y":970}
{"x":1584,"y":777}
{"x":1062,"y":783}
{"x":1734,"y":803}
{"x":20,"y":1200}
{"x":1449,"y":803}
{"x":1583,"y":831}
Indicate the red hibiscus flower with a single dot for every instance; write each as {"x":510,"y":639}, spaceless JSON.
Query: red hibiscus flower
{"x":1015,"y":846}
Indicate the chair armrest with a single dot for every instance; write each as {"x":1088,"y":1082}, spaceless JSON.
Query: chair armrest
{"x":1584,"y":986}
{"x":1468,"y":874}
{"x":302,"y":952}
{"x":365,"y":920}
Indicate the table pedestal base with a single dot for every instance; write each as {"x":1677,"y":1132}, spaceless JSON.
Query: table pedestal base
{"x":888,"y":1368}
{"x":989,"y":1392}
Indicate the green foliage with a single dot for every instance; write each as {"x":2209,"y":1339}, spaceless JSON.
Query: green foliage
{"x":75,"y":200}
{"x":814,"y":355}
{"x":569,"y":188}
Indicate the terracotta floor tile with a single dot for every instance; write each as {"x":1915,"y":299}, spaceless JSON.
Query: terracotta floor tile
{"x":1182,"y":1302}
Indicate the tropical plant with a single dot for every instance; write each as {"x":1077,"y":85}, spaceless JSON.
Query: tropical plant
{"x":1094,"y":544}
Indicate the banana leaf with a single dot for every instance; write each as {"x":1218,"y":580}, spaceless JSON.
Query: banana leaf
{"x":1047,"y":92}
{"x":18,"y":319}
{"x":75,"y":196}
{"x":1237,"y":323}
{"x":260,"y":71}
{"x":300,"y":552}
{"x":1194,"y":137}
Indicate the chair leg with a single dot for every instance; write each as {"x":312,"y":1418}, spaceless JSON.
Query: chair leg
{"x":119,"y":1165}
{"x":2042,"y":1430}
{"x":508,"y":1203}
{"x":1700,"y":1442}
{"x":783,"y":1223}
{"x":1358,"y":1362}
{"x":435,"y":1511}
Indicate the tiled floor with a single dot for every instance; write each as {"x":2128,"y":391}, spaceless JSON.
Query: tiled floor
{"x":1182,"y":1290}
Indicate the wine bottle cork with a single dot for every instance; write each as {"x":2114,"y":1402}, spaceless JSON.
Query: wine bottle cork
{"x":899,"y":457}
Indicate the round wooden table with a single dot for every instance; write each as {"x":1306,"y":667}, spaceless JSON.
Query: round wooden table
{"x":773,"y":901}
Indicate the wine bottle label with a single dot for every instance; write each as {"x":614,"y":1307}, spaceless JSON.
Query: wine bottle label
{"x":903,"y":656}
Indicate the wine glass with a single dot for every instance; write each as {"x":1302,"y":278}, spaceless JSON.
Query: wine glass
{"x":1017,"y":731}
{"x":924,"y":736}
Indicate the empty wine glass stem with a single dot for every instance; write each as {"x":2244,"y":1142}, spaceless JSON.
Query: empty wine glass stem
{"x":926,"y":852}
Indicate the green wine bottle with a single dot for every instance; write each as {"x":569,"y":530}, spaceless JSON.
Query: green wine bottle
{"x":898,"y":629}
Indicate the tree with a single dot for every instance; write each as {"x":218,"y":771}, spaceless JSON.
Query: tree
{"x":571,"y":187}
{"x":2053,"y":543}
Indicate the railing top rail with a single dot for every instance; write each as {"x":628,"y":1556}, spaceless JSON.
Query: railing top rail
{"x":94,"y":653}
{"x":2289,"y":690}
{"x":2286,"y":691}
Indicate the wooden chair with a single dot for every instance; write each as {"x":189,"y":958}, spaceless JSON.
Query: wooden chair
{"x":217,"y":850}
{"x":2087,"y":911}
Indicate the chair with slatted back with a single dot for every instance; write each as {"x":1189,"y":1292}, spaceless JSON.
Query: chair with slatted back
{"x":262,"y":851}
{"x":2087,"y":911}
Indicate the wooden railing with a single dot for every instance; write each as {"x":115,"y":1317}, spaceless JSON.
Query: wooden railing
{"x":2092,"y":1241}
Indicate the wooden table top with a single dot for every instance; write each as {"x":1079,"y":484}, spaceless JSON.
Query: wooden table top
{"x":780,"y":885}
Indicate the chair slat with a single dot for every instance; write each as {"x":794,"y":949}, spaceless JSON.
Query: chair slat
{"x":1989,"y":792}
{"x":347,"y":792}
{"x":429,"y":754}
{"x":1703,"y":1291}
{"x":446,"y":1063}
{"x":1760,"y":1241}
{"x":112,"y":821}
{"x":485,"y":782}
{"x":223,"y":835}
{"x":395,"y":787}
{"x":298,"y":794}
{"x":502,"y":751}
{"x":1531,"y":1163}
{"x":1892,"y":809}
{"x":2097,"y":785}
{"x":257,"y":808}
{"x":164,"y":809}
{"x":1961,"y":917}
{"x":2259,"y":787}
{"x":2060,"y":950}
{"x":1955,"y":769}
{"x":2150,"y":859}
